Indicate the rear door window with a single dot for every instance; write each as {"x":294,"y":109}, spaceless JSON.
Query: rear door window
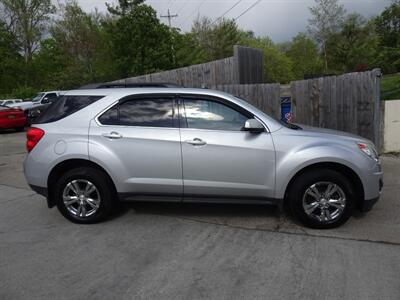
{"x":147,"y":112}
{"x":65,"y":106}
{"x":110,"y":117}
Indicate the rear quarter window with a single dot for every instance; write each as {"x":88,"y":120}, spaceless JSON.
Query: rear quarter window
{"x":65,"y":106}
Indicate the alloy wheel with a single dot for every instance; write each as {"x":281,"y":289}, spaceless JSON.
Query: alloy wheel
{"x":324,"y":201}
{"x":81,"y":198}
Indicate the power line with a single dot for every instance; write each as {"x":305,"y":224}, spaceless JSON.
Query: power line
{"x":232,"y":7}
{"x":182,"y":7}
{"x":192,"y":13}
{"x":171,"y":3}
{"x":251,"y":6}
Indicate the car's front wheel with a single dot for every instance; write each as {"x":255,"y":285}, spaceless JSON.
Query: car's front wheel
{"x":85,"y":195}
{"x":321,"y":198}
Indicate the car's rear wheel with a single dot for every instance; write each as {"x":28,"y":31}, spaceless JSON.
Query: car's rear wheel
{"x":85,"y":195}
{"x":321,"y":198}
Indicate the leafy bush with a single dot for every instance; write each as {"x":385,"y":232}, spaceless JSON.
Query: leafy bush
{"x":390,"y":87}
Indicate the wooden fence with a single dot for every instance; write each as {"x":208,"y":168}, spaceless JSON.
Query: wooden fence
{"x":246,"y":66}
{"x":266,"y":97}
{"x":350,"y":102}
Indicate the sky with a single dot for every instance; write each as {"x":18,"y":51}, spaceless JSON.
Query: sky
{"x":279,"y":19}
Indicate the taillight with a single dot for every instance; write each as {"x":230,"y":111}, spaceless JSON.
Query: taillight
{"x":33,"y":136}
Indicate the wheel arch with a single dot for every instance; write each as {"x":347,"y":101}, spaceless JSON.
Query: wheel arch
{"x":343,"y":169}
{"x":66,"y":165}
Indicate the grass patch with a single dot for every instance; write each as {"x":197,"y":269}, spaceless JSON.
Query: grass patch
{"x":390,"y":87}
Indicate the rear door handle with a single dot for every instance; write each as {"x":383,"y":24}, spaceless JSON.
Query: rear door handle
{"x":113,"y":135}
{"x":196,"y":142}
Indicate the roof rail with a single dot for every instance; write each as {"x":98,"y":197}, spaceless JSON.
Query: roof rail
{"x":108,"y":85}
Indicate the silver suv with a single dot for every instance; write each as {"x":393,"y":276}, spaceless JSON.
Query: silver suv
{"x":94,"y":148}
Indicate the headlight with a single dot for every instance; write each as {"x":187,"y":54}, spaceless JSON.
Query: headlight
{"x":369,"y":150}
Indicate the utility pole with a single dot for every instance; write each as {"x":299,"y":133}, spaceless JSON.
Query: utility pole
{"x":169,"y":16}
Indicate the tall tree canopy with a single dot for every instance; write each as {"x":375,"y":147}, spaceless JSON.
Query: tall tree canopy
{"x":327,"y":17}
{"x":41,"y":50}
{"x":28,"y":20}
{"x":303,"y":52}
{"x":388,"y":29}
{"x":140,"y":43}
{"x":10,"y":60}
{"x":216,"y":39}
{"x":78,"y":38}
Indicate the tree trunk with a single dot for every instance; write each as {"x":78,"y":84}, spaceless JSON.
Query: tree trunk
{"x":325,"y":58}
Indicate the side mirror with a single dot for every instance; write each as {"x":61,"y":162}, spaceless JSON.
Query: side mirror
{"x":254,"y":126}
{"x":45,"y":100}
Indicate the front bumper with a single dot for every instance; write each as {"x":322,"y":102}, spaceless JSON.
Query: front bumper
{"x":367,"y":205}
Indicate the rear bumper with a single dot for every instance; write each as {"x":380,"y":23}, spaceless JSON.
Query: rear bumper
{"x":40,"y":190}
{"x":44,"y":192}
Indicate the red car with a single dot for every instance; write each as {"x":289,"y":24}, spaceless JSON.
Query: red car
{"x":11,"y":117}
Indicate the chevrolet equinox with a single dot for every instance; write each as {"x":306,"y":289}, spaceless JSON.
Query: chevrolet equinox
{"x":94,"y":148}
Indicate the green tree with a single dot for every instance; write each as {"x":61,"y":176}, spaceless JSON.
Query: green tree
{"x":327,"y":16}
{"x":186,"y":49}
{"x":216,"y":39}
{"x":140,"y":43}
{"x":51,"y":66}
{"x":354,"y":47}
{"x":10,"y":61}
{"x":303,"y":52}
{"x":123,"y":6}
{"x":277,"y":66}
{"x":27,"y":20}
{"x":79,"y":40}
{"x":388,"y":30}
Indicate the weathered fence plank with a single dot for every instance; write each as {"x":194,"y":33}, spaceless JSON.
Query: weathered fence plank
{"x":349,"y":102}
{"x":266,"y":97}
{"x":246,"y":66}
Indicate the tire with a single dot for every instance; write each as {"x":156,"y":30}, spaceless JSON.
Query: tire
{"x":102,"y":200}
{"x":19,"y":129}
{"x":330,"y":210}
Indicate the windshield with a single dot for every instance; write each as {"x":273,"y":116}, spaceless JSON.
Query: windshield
{"x":38,"y":97}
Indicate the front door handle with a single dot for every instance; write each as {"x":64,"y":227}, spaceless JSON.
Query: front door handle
{"x":196,"y":142}
{"x":113,"y":135}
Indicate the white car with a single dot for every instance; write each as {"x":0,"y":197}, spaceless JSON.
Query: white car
{"x":41,"y":99}
{"x":45,"y":97}
{"x":11,"y":102}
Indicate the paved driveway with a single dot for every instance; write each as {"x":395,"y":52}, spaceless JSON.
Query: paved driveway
{"x":170,"y":251}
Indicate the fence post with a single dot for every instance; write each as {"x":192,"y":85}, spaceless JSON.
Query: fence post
{"x":248,"y":65}
{"x":377,"y":108}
